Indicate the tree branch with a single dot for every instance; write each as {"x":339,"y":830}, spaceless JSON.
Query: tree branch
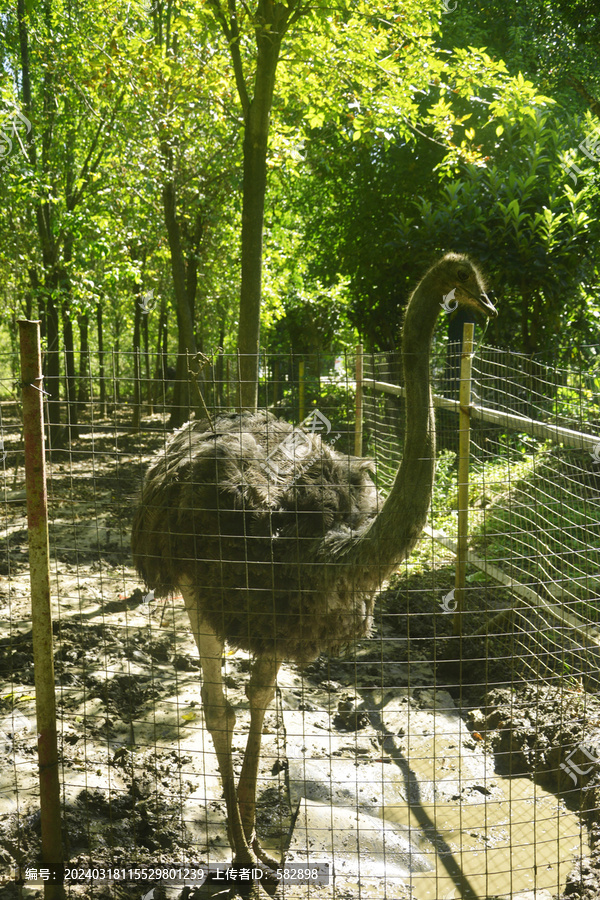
{"x":88,"y":167}
{"x":232,"y":33}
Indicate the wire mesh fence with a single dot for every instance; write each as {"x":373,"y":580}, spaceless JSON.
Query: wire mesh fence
{"x":411,"y":763}
{"x":534,"y":509}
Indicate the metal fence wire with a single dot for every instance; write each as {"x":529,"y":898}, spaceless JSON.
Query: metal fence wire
{"x":414,"y":762}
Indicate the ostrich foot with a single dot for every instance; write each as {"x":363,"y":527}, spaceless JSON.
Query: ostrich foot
{"x":264,"y":857}
{"x":264,"y":862}
{"x":257,"y":858}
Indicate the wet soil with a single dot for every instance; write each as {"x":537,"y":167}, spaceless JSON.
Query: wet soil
{"x":138,"y":786}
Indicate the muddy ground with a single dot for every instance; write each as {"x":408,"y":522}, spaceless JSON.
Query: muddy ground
{"x":139,"y":780}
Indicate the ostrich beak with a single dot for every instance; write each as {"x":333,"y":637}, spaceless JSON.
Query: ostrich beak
{"x":487,"y":306}
{"x":483,"y":303}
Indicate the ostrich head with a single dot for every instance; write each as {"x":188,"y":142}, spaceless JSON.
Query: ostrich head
{"x":452,"y":281}
{"x":459,"y":277}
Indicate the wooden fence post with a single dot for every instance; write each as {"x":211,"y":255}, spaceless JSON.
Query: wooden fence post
{"x":466,"y":364}
{"x":358,"y":428}
{"x":41,"y":614}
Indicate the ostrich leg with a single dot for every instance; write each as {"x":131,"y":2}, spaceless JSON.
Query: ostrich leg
{"x":260,"y":692}
{"x":220,"y":721}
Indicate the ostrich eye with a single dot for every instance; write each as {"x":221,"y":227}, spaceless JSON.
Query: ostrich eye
{"x":463,"y":275}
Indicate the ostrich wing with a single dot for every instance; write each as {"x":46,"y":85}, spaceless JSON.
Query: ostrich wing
{"x":248,"y":523}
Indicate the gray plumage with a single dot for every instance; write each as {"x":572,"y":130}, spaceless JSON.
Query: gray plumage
{"x":287,"y":554}
{"x":250,"y":522}
{"x":279,"y":543}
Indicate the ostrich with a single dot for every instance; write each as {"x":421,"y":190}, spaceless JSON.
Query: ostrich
{"x":281,"y":554}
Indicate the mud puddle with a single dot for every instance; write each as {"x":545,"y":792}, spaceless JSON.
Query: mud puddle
{"x":421,"y":811}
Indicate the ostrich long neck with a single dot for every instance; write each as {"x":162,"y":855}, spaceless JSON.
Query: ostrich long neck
{"x":394,"y":532}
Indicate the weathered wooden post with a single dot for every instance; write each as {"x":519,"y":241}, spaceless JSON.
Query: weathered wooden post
{"x":464,"y":442}
{"x":41,"y":615}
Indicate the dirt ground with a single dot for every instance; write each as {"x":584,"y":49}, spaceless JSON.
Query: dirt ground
{"x":139,"y":781}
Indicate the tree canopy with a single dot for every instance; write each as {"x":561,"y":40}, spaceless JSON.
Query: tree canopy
{"x":178,"y":175}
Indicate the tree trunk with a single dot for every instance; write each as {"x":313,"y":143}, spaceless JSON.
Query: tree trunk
{"x":185,"y":320}
{"x":137,"y":393}
{"x":219,"y":367}
{"x":46,"y":235}
{"x":256,"y":137}
{"x":70,"y":375}
{"x":160,"y":370}
{"x":101,"y":372}
{"x":69,"y":343}
{"x":117,"y":361}
{"x":84,"y":358}
{"x":147,"y":365}
{"x":33,"y":294}
{"x":271,"y":20}
{"x":52,"y":367}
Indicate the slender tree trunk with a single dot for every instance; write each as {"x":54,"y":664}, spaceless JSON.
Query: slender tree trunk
{"x":147,"y":364}
{"x":160,"y":370}
{"x":185,"y":321}
{"x":42,"y":139}
{"x":271,"y":21}
{"x":43,"y":213}
{"x":117,"y":359}
{"x":220,"y":368}
{"x":69,"y":343}
{"x":84,"y":358}
{"x":70,"y":374}
{"x":137,"y":394}
{"x":256,"y":137}
{"x":34,"y":280}
{"x":101,"y":371}
{"x":32,"y":295}
{"x":52,"y":367}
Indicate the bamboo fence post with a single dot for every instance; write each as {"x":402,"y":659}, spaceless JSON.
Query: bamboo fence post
{"x":41,"y":614}
{"x":358,"y":428}
{"x":463,"y":472}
